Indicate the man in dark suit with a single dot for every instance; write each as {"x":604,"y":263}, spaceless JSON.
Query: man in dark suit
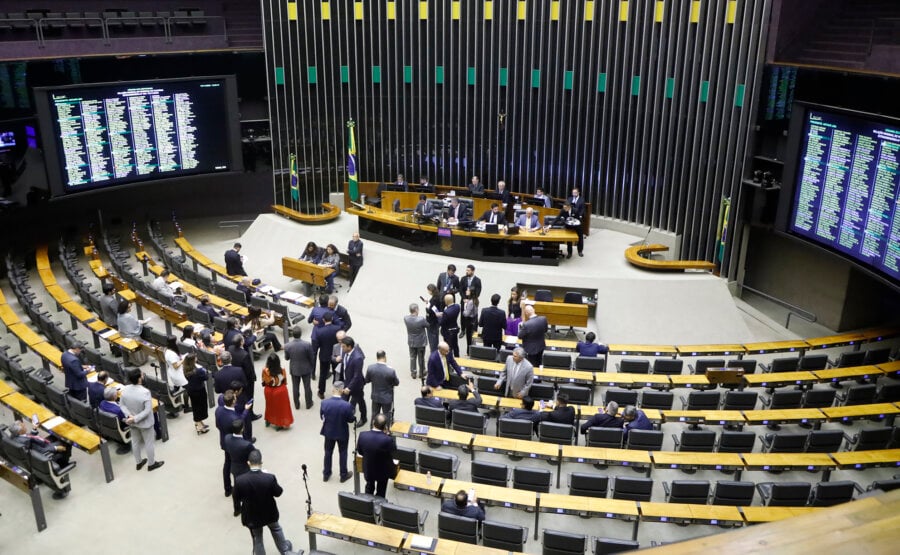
{"x":505,"y":196}
{"x":494,"y":215}
{"x":564,"y":214}
{"x":448,"y":282}
{"x":226,"y":413}
{"x":383,"y":379}
{"x":238,"y":450}
{"x":424,"y":184}
{"x":423,"y":207}
{"x":234,"y":262}
{"x":492,"y":321}
{"x":318,"y":312}
{"x":458,"y":212}
{"x":470,"y":282}
{"x":323,"y":340}
{"x":228,"y":374}
{"x":449,"y":323}
{"x":476,"y":187}
{"x":256,"y":492}
{"x":97,"y":387}
{"x":76,"y":375}
{"x":464,"y":402}
{"x":434,"y":305}
{"x":428,"y":399}
{"x":231,"y":332}
{"x":401,"y":184}
{"x":441,"y":365}
{"x":635,"y":419}
{"x":526,"y":412}
{"x":461,"y":505}
{"x":302,"y":361}
{"x":206,"y":307}
{"x":577,"y":202}
{"x":354,"y":376}
{"x":336,"y":414}
{"x":341,"y":315}
{"x":562,"y":413}
{"x":604,"y":418}
{"x":532,"y":333}
{"x":242,"y":359}
{"x":355,"y":254}
{"x":377,"y":449}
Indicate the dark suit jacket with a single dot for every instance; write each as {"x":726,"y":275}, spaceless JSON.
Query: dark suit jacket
{"x":342,"y":318}
{"x":228,"y":337}
{"x":76,"y":375}
{"x":433,"y":302}
{"x":226,"y":375}
{"x":472,"y":404}
{"x":354,"y":376}
{"x":493,"y":323}
{"x":561,"y":415}
{"x":112,"y":408}
{"x":532,"y":335}
{"x":224,"y":418}
{"x":433,"y":402}
{"x":355,"y":252}
{"x":383,"y":379}
{"x":316,"y":315}
{"x":233,"y":264}
{"x":323,"y":340}
{"x":301,"y":356}
{"x":447,"y":284}
{"x":505,"y":196}
{"x":377,"y":449}
{"x":473,"y":283}
{"x":238,"y":449}
{"x":524,"y":414}
{"x":95,"y":393}
{"x":256,"y":491}
{"x":470,"y":511}
{"x":240,"y":357}
{"x":436,"y":368}
{"x":461,"y":212}
{"x":486,"y":217}
{"x":336,"y":413}
{"x":577,"y":206}
{"x":601,"y":420}
{"x":450,"y":319}
{"x":209,"y":309}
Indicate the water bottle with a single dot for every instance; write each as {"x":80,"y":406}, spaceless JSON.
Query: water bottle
{"x":428,"y":478}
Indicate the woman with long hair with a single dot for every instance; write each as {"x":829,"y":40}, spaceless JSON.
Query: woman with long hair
{"x":259,"y":322}
{"x":174,"y":371}
{"x":278,"y":401}
{"x":513,"y":312}
{"x":331,"y":259}
{"x":196,"y":377}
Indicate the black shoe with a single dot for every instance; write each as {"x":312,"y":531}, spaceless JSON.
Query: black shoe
{"x":60,"y":494}
{"x":359,"y":424}
{"x":188,"y":409}
{"x":326,"y":477}
{"x":227,"y":493}
{"x":569,"y":255}
{"x":155,"y":465}
{"x":141,"y":464}
{"x":346,"y":477}
{"x":309,"y":406}
{"x":256,"y":417}
{"x":237,"y":513}
{"x":581,"y":254}
{"x":321,"y":395}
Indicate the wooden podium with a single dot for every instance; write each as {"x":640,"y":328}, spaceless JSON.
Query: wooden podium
{"x":306,"y":272}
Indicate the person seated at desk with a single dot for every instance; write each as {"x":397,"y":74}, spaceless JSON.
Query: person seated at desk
{"x":208,"y":308}
{"x":529,"y":220}
{"x":400,"y":183}
{"x":331,"y":259}
{"x":458,"y":212}
{"x":539,"y":195}
{"x":260,"y":321}
{"x":428,"y":399}
{"x":423,"y":207}
{"x":96,"y":388}
{"x":461,"y":505}
{"x":110,"y":403}
{"x":476,"y":187}
{"x":312,"y":253}
{"x":493,"y":216}
{"x":247,"y":286}
{"x":588,"y":348}
{"x":503,"y":192}
{"x":562,"y":413}
{"x":161,"y":286}
{"x":440,"y":365}
{"x":526,"y":411}
{"x":564,"y":214}
{"x":604,"y":418}
{"x":425,"y":185}
{"x":59,"y":452}
{"x":464,"y":402}
{"x":635,"y":419}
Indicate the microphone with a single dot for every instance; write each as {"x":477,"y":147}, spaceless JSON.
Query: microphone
{"x":303,"y":468}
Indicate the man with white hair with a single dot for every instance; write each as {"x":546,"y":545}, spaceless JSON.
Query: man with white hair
{"x":604,"y":418}
{"x":529,"y":220}
{"x":517,"y":375}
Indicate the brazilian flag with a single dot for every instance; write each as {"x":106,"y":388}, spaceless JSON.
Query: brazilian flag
{"x":295,"y":180}
{"x":352,"y":179}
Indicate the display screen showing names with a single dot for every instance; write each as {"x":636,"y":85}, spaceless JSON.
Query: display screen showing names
{"x":113,"y":134}
{"x":847,"y":190}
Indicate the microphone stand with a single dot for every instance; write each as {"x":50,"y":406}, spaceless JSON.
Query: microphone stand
{"x":309,"y":510}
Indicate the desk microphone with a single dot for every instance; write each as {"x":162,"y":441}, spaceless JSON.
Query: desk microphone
{"x":303,"y":468}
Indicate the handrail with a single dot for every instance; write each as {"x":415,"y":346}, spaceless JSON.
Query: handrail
{"x":792,"y":309}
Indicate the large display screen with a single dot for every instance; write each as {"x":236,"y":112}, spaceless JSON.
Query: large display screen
{"x":847,"y":188}
{"x":115,"y":133}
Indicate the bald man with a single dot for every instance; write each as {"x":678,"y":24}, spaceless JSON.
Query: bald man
{"x":532,"y":333}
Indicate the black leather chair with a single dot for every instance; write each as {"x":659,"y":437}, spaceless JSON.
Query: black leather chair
{"x":784,"y":364}
{"x":82,"y":413}
{"x":482,"y":352}
{"x":813,"y":362}
{"x":687,"y":491}
{"x":623,"y":397}
{"x":701,"y":400}
{"x":748,"y":365}
{"x":884,"y":485}
{"x":439,"y":464}
{"x":604,"y":437}
{"x":699,"y":441}
{"x":739,"y":494}
{"x":877,"y":356}
{"x":858,"y":395}
{"x":493,"y":474}
{"x":532,"y":479}
{"x":592,"y":364}
{"x":634,"y":366}
{"x":828,"y":494}
{"x":736,"y":442}
{"x":507,"y":537}
{"x":659,"y":400}
{"x":784,"y":494}
{"x":645,"y":440}
{"x":554,"y":359}
{"x":868,"y":440}
{"x":556,"y":542}
{"x":431,"y":416}
{"x":45,"y":468}
{"x":588,"y":485}
{"x":403,"y":518}
{"x":784,"y":443}
{"x":780,"y":400}
{"x":515,"y":428}
{"x":542,"y":391}
{"x":543,"y":295}
{"x":824,"y":441}
{"x":406,"y":458}
{"x":668,"y":366}
{"x":608,"y":546}
{"x":364,"y":507}
{"x":818,"y":398}
{"x":888,"y":391}
{"x":632,"y":489}
{"x":457,"y":528}
{"x":573,"y":297}
{"x":740,"y":400}
{"x":466,"y":421}
{"x":578,"y":394}
{"x":113,"y":429}
{"x":849,"y":359}
{"x":59,"y":401}
{"x":705,"y":364}
{"x":561,"y":434}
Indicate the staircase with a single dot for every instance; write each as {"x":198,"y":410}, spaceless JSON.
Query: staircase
{"x":845,"y":40}
{"x":243,"y":19}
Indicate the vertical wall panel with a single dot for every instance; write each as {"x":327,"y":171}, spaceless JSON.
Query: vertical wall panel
{"x":634,"y":102}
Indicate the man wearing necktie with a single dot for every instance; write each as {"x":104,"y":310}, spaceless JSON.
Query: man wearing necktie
{"x":494,"y":215}
{"x":517,"y":375}
{"x":441,"y":367}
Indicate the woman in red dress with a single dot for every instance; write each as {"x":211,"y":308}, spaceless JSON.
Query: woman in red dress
{"x":278,"y":402}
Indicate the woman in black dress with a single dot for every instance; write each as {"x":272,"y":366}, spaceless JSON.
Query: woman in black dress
{"x":196,"y":389}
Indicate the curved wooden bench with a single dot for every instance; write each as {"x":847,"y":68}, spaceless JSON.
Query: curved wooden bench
{"x":331,"y":213}
{"x":634,"y":255}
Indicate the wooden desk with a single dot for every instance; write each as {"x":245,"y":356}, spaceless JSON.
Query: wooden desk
{"x":725,"y":349}
{"x":88,"y":441}
{"x":552,"y":344}
{"x":557,"y":375}
{"x":519,"y":447}
{"x":841,"y":340}
{"x":492,"y":495}
{"x":788,"y":461}
{"x":690,"y":381}
{"x":450,"y":547}
{"x":420,"y":483}
{"x":48,"y":353}
{"x":782,"y":416}
{"x":615,"y":379}
{"x":626,"y":349}
{"x":304,"y":271}
{"x":354,"y":531}
{"x":879,"y":334}
{"x":5,"y":389}
{"x":26,"y":335}
{"x":690,"y":513}
{"x":867,"y":459}
{"x":635,"y":256}
{"x":753,"y":515}
{"x":562,"y":314}
{"x":779,"y":379}
{"x":853,"y":412}
{"x":762,"y":348}
{"x":603,"y":455}
{"x":656,"y":381}
{"x":721,"y":417}
{"x":691,"y":460}
{"x":330,"y":212}
{"x":560,"y":503}
{"x":26,"y":407}
{"x":890,"y":367}
{"x":8,"y":315}
{"x":442,"y":436}
{"x":850,"y":373}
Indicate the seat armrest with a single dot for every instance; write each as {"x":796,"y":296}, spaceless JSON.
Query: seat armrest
{"x":765,"y":368}
{"x":63,"y":470}
{"x":683,"y":401}
{"x":766,"y":401}
{"x":667,"y":490}
{"x":831,"y":363}
{"x":766,"y":440}
{"x":851,"y":440}
{"x":691,"y":369}
{"x":677,"y":443}
{"x":765,"y":491}
{"x":840,"y":397}
{"x":422,"y":519}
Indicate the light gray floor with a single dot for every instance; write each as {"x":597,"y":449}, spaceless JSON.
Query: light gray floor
{"x":181,"y":509}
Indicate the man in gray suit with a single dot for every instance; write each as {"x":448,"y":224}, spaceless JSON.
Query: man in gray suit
{"x":138,"y":408}
{"x":416,"y":338}
{"x":517,"y":375}
{"x":303,"y":363}
{"x":383,"y":379}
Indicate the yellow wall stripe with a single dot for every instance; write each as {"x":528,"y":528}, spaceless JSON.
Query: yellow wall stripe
{"x":326,"y":10}
{"x":695,"y":11}
{"x":521,"y":10}
{"x":660,"y":11}
{"x":391,"y":10}
{"x":423,"y":10}
{"x":488,"y":10}
{"x":554,"y":11}
{"x":732,"y":12}
{"x":292,"y":11}
{"x":455,"y":10}
{"x":589,"y":11}
{"x":623,"y":10}
{"x":358,"y":11}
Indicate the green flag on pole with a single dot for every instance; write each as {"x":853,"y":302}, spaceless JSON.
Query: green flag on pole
{"x":352,"y":180}
{"x":295,"y":179}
